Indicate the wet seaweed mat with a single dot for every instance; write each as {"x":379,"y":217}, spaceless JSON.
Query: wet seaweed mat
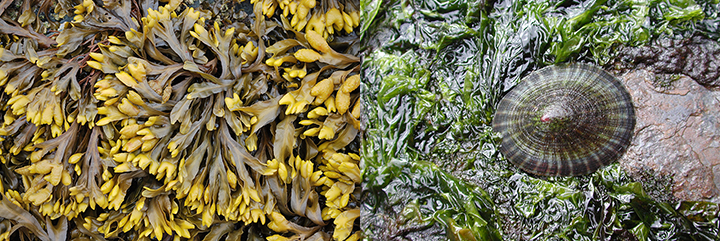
{"x":147,"y":120}
{"x":435,"y":71}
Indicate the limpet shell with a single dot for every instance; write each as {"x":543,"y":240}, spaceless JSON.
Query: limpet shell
{"x":565,"y":120}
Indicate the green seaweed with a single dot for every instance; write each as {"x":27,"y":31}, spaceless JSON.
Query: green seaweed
{"x":434,"y":71}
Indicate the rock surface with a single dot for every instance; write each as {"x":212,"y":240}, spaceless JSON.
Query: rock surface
{"x":697,"y":57}
{"x":677,"y":133}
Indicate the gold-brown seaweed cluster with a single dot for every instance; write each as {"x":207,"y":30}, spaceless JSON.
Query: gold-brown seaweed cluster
{"x":138,"y":120}
{"x":325,"y":17}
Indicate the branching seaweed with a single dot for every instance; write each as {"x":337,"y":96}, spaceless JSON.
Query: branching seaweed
{"x":140,"y":121}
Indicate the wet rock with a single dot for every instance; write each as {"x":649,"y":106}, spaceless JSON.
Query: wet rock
{"x":697,"y":57}
{"x":677,"y":133}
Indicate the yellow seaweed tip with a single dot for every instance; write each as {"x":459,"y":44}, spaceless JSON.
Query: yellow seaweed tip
{"x":126,"y":79}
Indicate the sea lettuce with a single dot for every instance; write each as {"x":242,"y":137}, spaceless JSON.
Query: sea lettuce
{"x":435,"y":71}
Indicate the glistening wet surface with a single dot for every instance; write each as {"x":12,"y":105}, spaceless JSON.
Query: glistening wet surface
{"x":677,"y":134}
{"x":435,"y":72}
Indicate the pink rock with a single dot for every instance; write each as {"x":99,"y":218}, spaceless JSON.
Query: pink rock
{"x":677,"y":134}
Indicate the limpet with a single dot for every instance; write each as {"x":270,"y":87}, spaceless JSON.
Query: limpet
{"x":565,"y":120}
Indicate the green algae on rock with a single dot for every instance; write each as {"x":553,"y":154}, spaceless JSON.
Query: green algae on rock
{"x":435,"y":70}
